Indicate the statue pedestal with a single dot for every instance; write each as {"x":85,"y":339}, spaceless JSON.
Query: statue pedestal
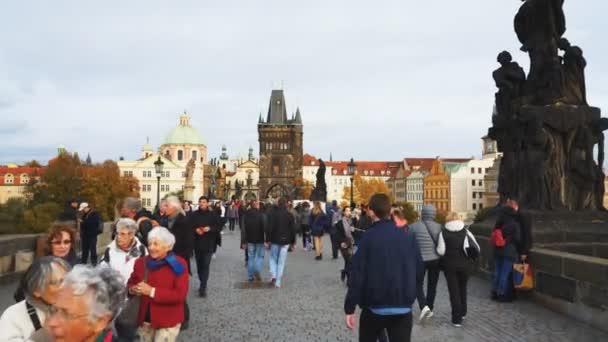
{"x":188,"y":190}
{"x":569,"y":259}
{"x":548,"y":158}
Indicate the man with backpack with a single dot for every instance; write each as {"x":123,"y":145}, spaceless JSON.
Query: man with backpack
{"x":505,"y":239}
{"x":426,"y":231}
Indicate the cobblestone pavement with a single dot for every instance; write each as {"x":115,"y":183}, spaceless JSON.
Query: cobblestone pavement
{"x":309,"y":307}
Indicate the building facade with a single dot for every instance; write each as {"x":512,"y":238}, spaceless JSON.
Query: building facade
{"x":14,"y":180}
{"x":415,"y":188}
{"x":281,"y":149}
{"x":182,"y":144}
{"x":437,"y":187}
{"x":467,"y":186}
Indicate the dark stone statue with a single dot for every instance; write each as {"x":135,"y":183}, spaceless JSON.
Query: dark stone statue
{"x":542,"y":124}
{"x":509,"y":78}
{"x":238,"y":192}
{"x":573,"y":68}
{"x":539,"y":25}
{"x":319,"y":193}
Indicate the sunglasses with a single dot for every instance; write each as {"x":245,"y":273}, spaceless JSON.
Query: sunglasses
{"x":60,"y":242}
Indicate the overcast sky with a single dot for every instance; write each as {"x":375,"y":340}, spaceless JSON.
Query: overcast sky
{"x":375,"y":80}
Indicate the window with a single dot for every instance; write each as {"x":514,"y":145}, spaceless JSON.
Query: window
{"x":144,"y":174}
{"x":480,"y":182}
{"x":128,"y":173}
{"x":25,"y":179}
{"x":480,"y":206}
{"x":479,"y":170}
{"x":474,"y":206}
{"x":194,"y":155}
{"x":180,"y":155}
{"x":9,"y":179}
{"x":472,"y":170}
{"x":473,"y":182}
{"x":480,"y":196}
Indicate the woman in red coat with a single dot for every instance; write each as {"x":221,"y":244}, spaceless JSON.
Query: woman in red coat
{"x":164,"y":292}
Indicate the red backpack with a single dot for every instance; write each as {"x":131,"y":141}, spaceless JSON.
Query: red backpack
{"x":496,"y":239}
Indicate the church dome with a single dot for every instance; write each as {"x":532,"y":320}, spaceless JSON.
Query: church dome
{"x":184,"y":133}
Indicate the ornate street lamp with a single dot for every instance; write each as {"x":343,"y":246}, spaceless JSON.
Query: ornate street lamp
{"x":158,"y":168}
{"x":351,"y":171}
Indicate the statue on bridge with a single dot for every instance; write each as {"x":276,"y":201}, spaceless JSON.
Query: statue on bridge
{"x":542,"y":123}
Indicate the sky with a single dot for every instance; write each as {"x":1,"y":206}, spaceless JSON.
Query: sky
{"x":375,"y":80}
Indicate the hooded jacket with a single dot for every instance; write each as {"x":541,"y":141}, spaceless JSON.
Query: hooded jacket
{"x":452,"y":243}
{"x":427,"y":232}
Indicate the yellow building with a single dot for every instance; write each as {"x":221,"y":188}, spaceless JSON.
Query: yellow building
{"x":14,"y":179}
{"x":437,"y":187}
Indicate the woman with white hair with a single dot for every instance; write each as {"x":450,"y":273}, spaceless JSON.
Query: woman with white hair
{"x":41,"y":284}
{"x":161,"y":279}
{"x":125,"y":249}
{"x":86,"y":305}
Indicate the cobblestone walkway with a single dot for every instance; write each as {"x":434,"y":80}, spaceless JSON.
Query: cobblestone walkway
{"x":309,"y":307}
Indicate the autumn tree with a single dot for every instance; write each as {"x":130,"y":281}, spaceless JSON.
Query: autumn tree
{"x":365,"y":188}
{"x":305,"y":188}
{"x":101,"y":185}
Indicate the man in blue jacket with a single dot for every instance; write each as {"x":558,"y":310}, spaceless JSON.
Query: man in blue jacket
{"x":382,"y":278}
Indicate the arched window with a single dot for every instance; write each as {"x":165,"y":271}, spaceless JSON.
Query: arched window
{"x":9,"y":178}
{"x":180,"y":155}
{"x":194,"y":155}
{"x":25,"y":179}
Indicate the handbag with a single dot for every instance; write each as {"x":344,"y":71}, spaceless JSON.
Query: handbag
{"x":523,"y":276}
{"x":127,"y":318}
{"x":471,"y":248}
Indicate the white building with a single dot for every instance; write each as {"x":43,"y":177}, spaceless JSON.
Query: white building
{"x":467,"y":185}
{"x":415,"y":187}
{"x":182,"y":144}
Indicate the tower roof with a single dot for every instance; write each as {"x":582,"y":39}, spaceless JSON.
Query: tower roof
{"x":298,"y":119}
{"x":277,"y":111}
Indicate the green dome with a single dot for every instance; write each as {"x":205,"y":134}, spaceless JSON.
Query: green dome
{"x":184,"y":134}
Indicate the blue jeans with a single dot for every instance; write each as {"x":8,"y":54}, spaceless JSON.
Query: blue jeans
{"x":503,"y":267}
{"x":255,"y":251}
{"x":278,"y":255}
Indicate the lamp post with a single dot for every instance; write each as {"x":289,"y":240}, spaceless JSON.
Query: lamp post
{"x":158,"y":168}
{"x":351,"y":171}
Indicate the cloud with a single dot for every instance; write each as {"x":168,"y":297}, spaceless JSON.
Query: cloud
{"x":393,"y":78}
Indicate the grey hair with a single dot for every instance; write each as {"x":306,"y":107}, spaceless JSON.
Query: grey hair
{"x":132,"y":203}
{"x":105,"y":285}
{"x":164,"y":235}
{"x":38,"y":277}
{"x":174,"y":202}
{"x":126,"y":223}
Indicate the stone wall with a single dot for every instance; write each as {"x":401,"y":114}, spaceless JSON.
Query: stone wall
{"x":18,"y":251}
{"x":573,"y":284}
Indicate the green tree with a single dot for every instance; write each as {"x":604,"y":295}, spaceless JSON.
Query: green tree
{"x":38,"y":218}
{"x":11,"y":213}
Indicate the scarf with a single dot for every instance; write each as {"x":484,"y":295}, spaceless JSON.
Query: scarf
{"x":170,"y":260}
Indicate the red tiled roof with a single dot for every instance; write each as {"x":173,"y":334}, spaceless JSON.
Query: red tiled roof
{"x":16,"y":172}
{"x":373,"y":168}
{"x":308,"y":160}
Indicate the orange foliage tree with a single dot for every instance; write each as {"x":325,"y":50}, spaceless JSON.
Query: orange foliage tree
{"x":365,"y":188}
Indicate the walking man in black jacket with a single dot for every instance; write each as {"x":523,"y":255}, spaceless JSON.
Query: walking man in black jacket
{"x":206,"y":226}
{"x":253,"y":224}
{"x":280,"y":234}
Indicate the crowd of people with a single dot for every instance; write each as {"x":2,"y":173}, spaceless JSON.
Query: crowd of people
{"x":138,"y":288}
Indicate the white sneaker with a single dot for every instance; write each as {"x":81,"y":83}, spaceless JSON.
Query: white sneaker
{"x":429,"y":315}
{"x":424,"y":313}
{"x":457,"y":325}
